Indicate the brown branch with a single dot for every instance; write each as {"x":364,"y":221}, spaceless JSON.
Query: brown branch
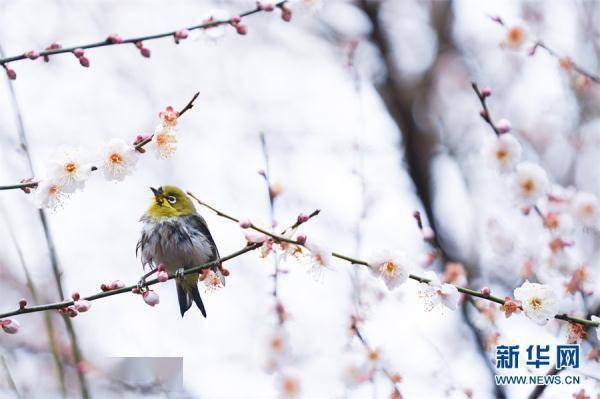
{"x":485,"y":112}
{"x":134,"y":40}
{"x":137,"y":146}
{"x":127,"y":289}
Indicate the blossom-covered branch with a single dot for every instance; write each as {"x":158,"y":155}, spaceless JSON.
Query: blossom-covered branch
{"x":393,"y":270}
{"x":210,"y":24}
{"x":516,"y":35}
{"x":115,"y":289}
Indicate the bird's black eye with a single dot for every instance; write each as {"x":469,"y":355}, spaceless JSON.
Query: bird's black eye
{"x":171,"y":199}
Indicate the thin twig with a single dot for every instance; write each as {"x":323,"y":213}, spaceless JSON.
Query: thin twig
{"x":11,"y":381}
{"x":485,"y":112}
{"x":355,"y":261}
{"x":134,"y":40}
{"x":127,"y":289}
{"x":137,"y":146}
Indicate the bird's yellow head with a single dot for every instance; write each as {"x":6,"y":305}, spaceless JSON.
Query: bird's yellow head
{"x":170,"y":201}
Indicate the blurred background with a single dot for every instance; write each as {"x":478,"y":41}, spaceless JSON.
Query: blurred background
{"x":368,"y":114}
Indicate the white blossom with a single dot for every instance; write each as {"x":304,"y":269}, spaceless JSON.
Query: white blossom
{"x":164,"y":141}
{"x":540,"y":303}
{"x":437,"y":293}
{"x":502,"y":152}
{"x":530,"y":183}
{"x":392,"y":267}
{"x":320,"y":257}
{"x":117,"y":159}
{"x":49,"y":194}
{"x":584,"y":207}
{"x":69,"y":168}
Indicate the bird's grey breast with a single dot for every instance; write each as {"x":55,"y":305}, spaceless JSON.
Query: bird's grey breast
{"x":174,"y":243}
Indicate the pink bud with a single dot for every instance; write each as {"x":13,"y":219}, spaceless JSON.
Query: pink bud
{"x":12,"y":75}
{"x":486,"y":91}
{"x":485,"y":291}
{"x":302,"y":218}
{"x":22,"y":303}
{"x":182,"y":34}
{"x":10,"y":326}
{"x":241,"y":29}
{"x":245,"y":223}
{"x":265,"y":5}
{"x":53,"y":46}
{"x":84,"y":62}
{"x":32,"y":54}
{"x":428,"y":234}
{"x":286,"y":15}
{"x":161,"y":267}
{"x":75,"y":296}
{"x":162,"y":276}
{"x":151,"y":298}
{"x":503,"y":126}
{"x":236,"y":20}
{"x":104,"y":287}
{"x":72,"y":312}
{"x":115,"y":285}
{"x":78,"y":52}
{"x":114,"y":38}
{"x":139,"y":45}
{"x":145,"y":52}
{"x":301,"y":238}
{"x":82,"y":305}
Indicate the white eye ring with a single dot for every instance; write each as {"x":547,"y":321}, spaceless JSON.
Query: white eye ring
{"x":171,"y":199}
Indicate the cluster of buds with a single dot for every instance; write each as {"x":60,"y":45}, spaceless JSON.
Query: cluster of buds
{"x":26,"y":190}
{"x":240,"y":28}
{"x":10,"y":326}
{"x":79,"y":306}
{"x":180,"y":35}
{"x":145,"y":52}
{"x":115,"y":285}
{"x":80,"y":54}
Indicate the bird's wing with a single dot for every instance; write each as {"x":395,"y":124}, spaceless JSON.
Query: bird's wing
{"x":198,"y":223}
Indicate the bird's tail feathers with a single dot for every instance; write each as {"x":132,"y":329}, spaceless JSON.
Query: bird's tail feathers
{"x":187,"y":294}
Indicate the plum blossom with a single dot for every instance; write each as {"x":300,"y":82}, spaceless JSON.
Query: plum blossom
{"x":215,"y":32}
{"x":530,"y":183}
{"x":82,"y":305}
{"x":502,"y":152}
{"x":213,"y":280}
{"x":117,"y":159}
{"x":164,"y":141}
{"x":169,"y":117}
{"x":540,"y":302}
{"x":69,"y":169}
{"x":320,"y":257}
{"x":437,"y":293}
{"x":584,"y":207}
{"x":392,"y":267}
{"x":49,"y":194}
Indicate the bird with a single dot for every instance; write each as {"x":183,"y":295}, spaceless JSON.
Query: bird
{"x":176,"y":236}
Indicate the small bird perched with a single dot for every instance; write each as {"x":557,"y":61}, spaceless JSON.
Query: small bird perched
{"x":176,"y":236}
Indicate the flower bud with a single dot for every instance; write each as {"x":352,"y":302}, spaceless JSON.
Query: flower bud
{"x":114,"y":38}
{"x":72,"y":312}
{"x":181,"y":34}
{"x":84,"y":61}
{"x":151,"y":298}
{"x":485,"y":291}
{"x":82,"y":305}
{"x":75,"y":296}
{"x":139,"y":45}
{"x":302,"y":218}
{"x":428,"y":234}
{"x":12,"y":75}
{"x":245,"y":223}
{"x":104,"y":287}
{"x":265,"y":5}
{"x":286,"y":12}
{"x":22,"y":303}
{"x":486,"y":92}
{"x":225,"y":272}
{"x":236,"y":20}
{"x":301,"y":238}
{"x":10,"y":326}
{"x":241,"y":29}
{"x":115,"y":285}
{"x":162,"y":276}
{"x":78,"y":52}
{"x":503,"y":126}
{"x":32,"y":54}
{"x":161,"y":267}
{"x":145,"y":52}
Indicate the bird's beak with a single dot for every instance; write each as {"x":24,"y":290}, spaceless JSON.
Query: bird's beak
{"x":158,"y":193}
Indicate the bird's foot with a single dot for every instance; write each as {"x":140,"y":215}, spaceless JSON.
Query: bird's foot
{"x":179,"y":273}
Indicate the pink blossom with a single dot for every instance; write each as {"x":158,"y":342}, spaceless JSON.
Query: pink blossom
{"x":10,"y":326}
{"x":82,"y":305}
{"x":162,"y":276}
{"x":151,"y":298}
